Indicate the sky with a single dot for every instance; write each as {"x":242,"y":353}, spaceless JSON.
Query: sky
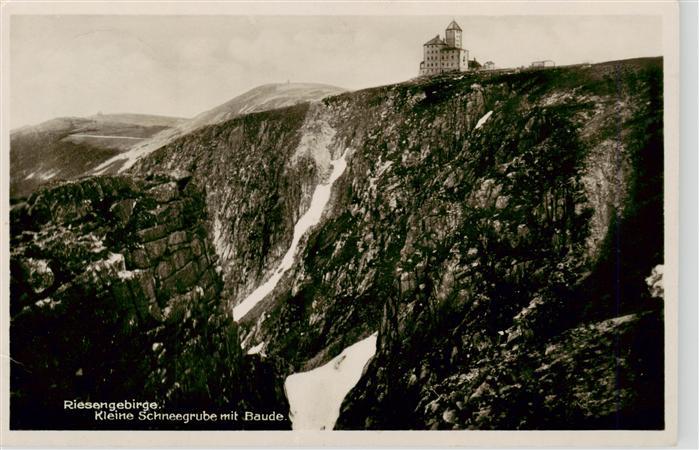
{"x":78,"y":65}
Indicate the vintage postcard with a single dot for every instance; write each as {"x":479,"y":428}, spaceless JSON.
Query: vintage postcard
{"x":351,"y":223}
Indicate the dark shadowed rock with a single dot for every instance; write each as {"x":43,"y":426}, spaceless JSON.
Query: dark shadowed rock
{"x":111,"y":303}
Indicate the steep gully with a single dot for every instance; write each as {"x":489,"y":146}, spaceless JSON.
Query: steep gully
{"x":315,"y":397}
{"x":320,"y":198}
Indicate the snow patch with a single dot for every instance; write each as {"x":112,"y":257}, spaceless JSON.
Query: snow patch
{"x":106,"y":137}
{"x":126,"y":275}
{"x":40,"y":265}
{"x":257,"y":349}
{"x":655,"y":282}
{"x":96,"y":244}
{"x":48,"y":174}
{"x":219,"y":240}
{"x":320,"y":198}
{"x":316,"y":137}
{"x":483,"y":119}
{"x":384,"y":167}
{"x":315,"y":396}
{"x":47,"y":302}
{"x":114,"y":263}
{"x":114,"y":259}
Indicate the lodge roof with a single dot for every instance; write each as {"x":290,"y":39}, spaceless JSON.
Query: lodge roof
{"x":454,"y":26}
{"x":435,"y":40}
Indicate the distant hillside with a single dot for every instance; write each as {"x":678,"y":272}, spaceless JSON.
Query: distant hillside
{"x":139,"y":119}
{"x":261,"y":98}
{"x":68,"y":147}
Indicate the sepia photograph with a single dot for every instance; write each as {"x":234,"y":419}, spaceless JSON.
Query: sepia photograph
{"x":326,"y":220}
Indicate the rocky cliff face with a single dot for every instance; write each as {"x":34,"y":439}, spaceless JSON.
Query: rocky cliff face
{"x":496,"y":229}
{"x":116,"y":296}
{"x":486,"y":226}
{"x":518,"y":297}
{"x":254,"y":191}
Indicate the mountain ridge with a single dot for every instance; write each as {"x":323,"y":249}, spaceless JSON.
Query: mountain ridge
{"x":261,"y":98}
{"x":70,"y":147}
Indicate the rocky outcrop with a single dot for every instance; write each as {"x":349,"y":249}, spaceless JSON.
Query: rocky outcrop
{"x":116,"y":296}
{"x":254,"y":193}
